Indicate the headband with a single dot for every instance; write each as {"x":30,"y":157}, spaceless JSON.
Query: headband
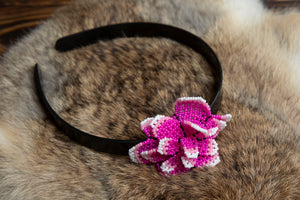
{"x":196,"y":118}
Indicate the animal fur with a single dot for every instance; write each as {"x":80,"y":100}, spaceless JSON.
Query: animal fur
{"x":109,"y":87}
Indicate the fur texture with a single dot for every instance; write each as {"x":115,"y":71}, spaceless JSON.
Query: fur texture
{"x":109,"y":87}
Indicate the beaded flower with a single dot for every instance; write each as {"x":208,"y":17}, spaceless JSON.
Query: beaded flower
{"x":182,"y":141}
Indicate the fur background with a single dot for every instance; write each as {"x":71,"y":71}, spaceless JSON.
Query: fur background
{"x":109,"y":87}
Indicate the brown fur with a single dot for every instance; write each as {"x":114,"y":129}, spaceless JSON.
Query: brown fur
{"x":109,"y":87}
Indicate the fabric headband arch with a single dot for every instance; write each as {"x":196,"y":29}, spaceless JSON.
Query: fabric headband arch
{"x":125,"y":30}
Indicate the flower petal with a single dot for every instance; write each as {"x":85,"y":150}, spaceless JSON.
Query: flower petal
{"x":168,"y":166}
{"x":194,"y":109}
{"x":190,"y":147}
{"x":166,"y":127}
{"x":153,"y":156}
{"x":135,"y":151}
{"x":220,"y":124}
{"x":145,"y":126}
{"x":214,"y":162}
{"x":173,"y":165}
{"x":207,"y":147}
{"x":157,"y":119}
{"x":225,"y":118}
{"x":168,"y":146}
{"x":194,"y":130}
{"x":207,"y":160}
{"x":188,"y":162}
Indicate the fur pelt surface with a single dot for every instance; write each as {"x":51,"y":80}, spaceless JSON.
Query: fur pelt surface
{"x":109,"y":87}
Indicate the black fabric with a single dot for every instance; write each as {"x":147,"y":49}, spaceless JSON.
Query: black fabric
{"x":125,"y":30}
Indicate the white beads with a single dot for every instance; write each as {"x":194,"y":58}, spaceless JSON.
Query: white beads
{"x":191,"y":99}
{"x":214,"y":162}
{"x":228,"y":117}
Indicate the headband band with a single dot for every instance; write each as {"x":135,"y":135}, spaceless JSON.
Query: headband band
{"x":125,"y":30}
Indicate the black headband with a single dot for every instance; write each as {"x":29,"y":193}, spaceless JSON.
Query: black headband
{"x":125,"y":30}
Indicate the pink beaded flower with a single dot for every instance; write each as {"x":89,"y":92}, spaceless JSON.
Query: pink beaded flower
{"x":183,"y":141}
